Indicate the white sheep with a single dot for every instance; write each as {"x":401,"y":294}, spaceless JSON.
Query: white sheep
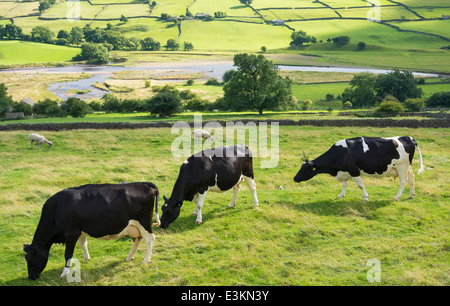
{"x":202,"y":134}
{"x":39,"y":139}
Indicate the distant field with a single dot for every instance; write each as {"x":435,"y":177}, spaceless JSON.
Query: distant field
{"x":20,"y":52}
{"x":227,"y":35}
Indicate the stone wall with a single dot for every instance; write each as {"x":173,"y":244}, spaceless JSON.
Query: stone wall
{"x":379,"y":122}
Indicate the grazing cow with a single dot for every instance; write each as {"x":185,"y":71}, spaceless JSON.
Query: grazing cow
{"x":105,"y":211}
{"x":217,"y":170}
{"x":368,"y":156}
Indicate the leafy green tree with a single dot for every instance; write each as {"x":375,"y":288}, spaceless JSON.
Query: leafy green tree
{"x":256,"y":85}
{"x":5,"y":100}
{"x":75,"y":107}
{"x":41,"y":107}
{"x":439,"y":99}
{"x":164,"y":104}
{"x":172,"y":45}
{"x":300,"y":37}
{"x":188,"y":46}
{"x":341,"y":40}
{"x":42,"y":34}
{"x":94,"y":53}
{"x":43,"y":5}
{"x":362,"y":93}
{"x":149,"y":44}
{"x":400,"y":84}
{"x":12,"y":31}
{"x":76,"y":36}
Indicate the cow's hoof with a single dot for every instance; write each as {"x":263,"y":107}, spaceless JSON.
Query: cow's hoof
{"x":256,"y":205}
{"x":197,"y":222}
{"x":194,"y":214}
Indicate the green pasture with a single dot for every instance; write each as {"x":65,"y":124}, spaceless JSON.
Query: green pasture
{"x":71,"y":9}
{"x":300,"y":235}
{"x":130,"y":10}
{"x":231,"y":7}
{"x":13,"y":52}
{"x":228,"y":35}
{"x":12,"y":9}
{"x":440,"y":27}
{"x":261,"y":4}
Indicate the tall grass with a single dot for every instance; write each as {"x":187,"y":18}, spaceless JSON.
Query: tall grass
{"x":299,"y":235}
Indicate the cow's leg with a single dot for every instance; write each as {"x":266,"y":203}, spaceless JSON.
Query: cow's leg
{"x":344,"y":188}
{"x":83,"y":244}
{"x":359,"y":182}
{"x":235,"y":194}
{"x":410,"y":176}
{"x":402,"y":174}
{"x":134,"y":248}
{"x":71,"y":241}
{"x":252,"y":185}
{"x":149,"y":241}
{"x":195,"y":213}
{"x":199,"y":205}
{"x":32,"y":144}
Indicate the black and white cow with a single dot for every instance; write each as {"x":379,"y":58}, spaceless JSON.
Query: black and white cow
{"x":367,"y":156}
{"x":216,"y":170}
{"x":105,"y":211}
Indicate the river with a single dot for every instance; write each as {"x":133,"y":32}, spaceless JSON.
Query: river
{"x":100,"y":73}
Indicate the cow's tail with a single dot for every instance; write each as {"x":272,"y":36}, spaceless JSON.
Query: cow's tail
{"x":422,"y":168}
{"x":158,"y":222}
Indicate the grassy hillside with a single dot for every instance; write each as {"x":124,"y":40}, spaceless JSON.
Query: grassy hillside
{"x":300,"y":235}
{"x":14,"y":52}
{"x":322,"y":19}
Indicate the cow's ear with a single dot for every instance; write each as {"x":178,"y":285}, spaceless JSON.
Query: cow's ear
{"x":307,"y":161}
{"x":165,"y":199}
{"x":26,"y":248}
{"x":180,"y":204}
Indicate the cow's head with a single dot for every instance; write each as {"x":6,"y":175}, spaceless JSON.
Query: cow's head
{"x":36,"y":260}
{"x":170,"y":211}
{"x":306,"y":172}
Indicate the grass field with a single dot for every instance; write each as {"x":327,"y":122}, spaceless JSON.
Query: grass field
{"x":15,"y":52}
{"x":299,"y":235}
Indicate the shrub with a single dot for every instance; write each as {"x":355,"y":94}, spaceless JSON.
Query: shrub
{"x":190,"y":82}
{"x":212,"y":81}
{"x":329,"y":97}
{"x":306,"y":104}
{"x":197,"y":104}
{"x":414,"y":104}
{"x":439,"y":99}
{"x":347,"y":105}
{"x":164,"y":104}
{"x":389,"y":108}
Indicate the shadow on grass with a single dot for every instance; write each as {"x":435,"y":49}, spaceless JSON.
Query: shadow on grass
{"x":52,"y":276}
{"x":341,"y":207}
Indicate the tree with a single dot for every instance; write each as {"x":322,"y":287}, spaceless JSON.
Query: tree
{"x":94,"y":53}
{"x":172,"y":45}
{"x":256,"y":85}
{"x":12,"y":31}
{"x":341,"y":40}
{"x":188,"y":46}
{"x":300,"y":37}
{"x":75,"y":107}
{"x":149,"y":44}
{"x":123,"y":18}
{"x":361,"y":93}
{"x":44,"y":107}
{"x":42,"y":34}
{"x":164,"y":104}
{"x":439,"y":99}
{"x":5,"y":100}
{"x":400,"y":84}
{"x":63,"y":34}
{"x":44,"y":5}
{"x":76,"y":36}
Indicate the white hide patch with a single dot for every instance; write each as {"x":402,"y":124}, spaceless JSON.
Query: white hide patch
{"x":131,"y":230}
{"x":365,"y":146}
{"x":341,"y":143}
